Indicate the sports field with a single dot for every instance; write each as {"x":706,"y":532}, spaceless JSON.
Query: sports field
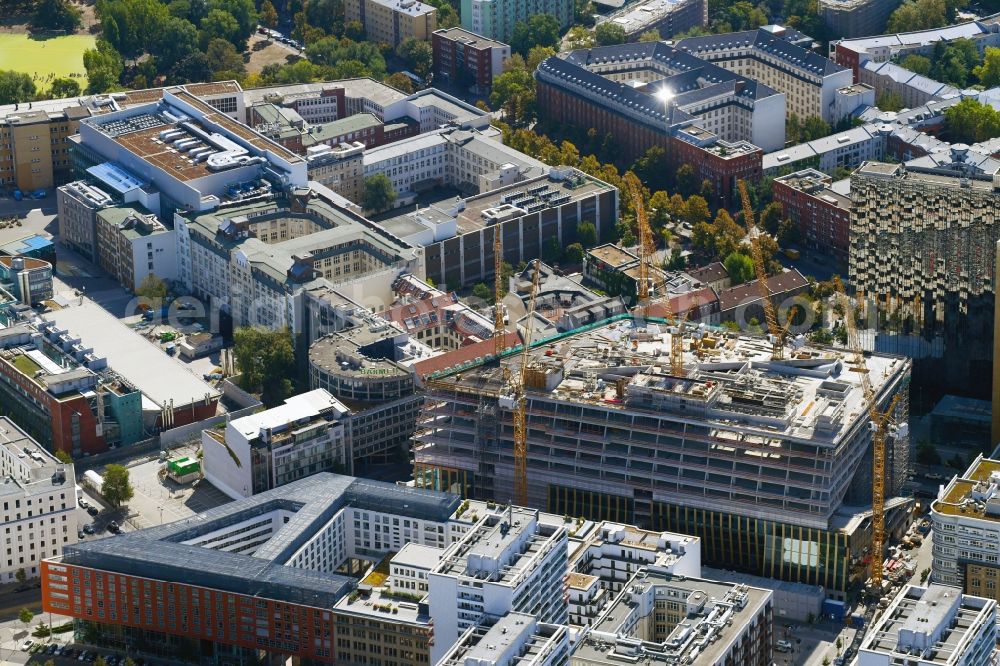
{"x":46,"y":59}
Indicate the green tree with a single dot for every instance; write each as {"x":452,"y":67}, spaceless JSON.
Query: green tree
{"x":64,"y":457}
{"x":177,"y":40}
{"x":537,"y":54}
{"x":890,"y":100}
{"x":586,"y":233}
{"x":116,"y":489}
{"x":770,"y":217}
{"x":482,"y":292}
{"x":56,"y":15}
{"x":132,"y":26}
{"x":551,"y":250}
{"x":918,"y":15}
{"x":223,"y":60}
{"x":650,"y":36}
{"x":696,"y":210}
{"x":355,"y":30}
{"x":268,"y":14}
{"x":609,"y":33}
{"x":400,"y":82}
{"x":988,"y":72}
{"x":814,"y":128}
{"x":244,"y":13}
{"x":153,"y":288}
{"x":788,"y":233}
{"x":418,"y":55}
{"x":659,"y":208}
{"x":100,"y":661}
{"x":218,"y":24}
{"x":917,"y":64}
{"x":16,"y":87}
{"x":969,"y":121}
{"x":686,"y":180}
{"x":954,"y":62}
{"x":514,"y":92}
{"x":740,"y":267}
{"x":266,"y":362}
{"x":924,"y":575}
{"x":25,"y":616}
{"x":379,"y":193}
{"x":579,"y":37}
{"x":574,"y":253}
{"x":653,"y":168}
{"x":104,"y":67}
{"x":22,"y":577}
{"x":538,"y":30}
{"x":325,"y":14}
{"x":63,"y":88}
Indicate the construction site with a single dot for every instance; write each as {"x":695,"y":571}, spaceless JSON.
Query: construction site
{"x":786,"y":459}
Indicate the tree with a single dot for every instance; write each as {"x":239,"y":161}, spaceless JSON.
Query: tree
{"x":268,"y":14}
{"x":64,"y":457}
{"x":482,"y":292}
{"x":814,"y":128}
{"x":537,"y":54}
{"x":63,"y":88}
{"x":988,"y":72}
{"x":917,"y":64}
{"x":16,"y":87}
{"x":25,"y":616}
{"x":574,"y":253}
{"x":551,"y":250}
{"x":400,"y":82}
{"x":740,"y":267}
{"x":788,"y":233}
{"x":770,"y":217}
{"x":659,"y":207}
{"x":924,"y":575}
{"x":116,"y":489}
{"x":22,"y":577}
{"x":223,"y":60}
{"x":514,"y":92}
{"x":153,"y":288}
{"x":266,"y":362}
{"x":918,"y":15}
{"x":100,"y":661}
{"x":696,"y":210}
{"x":177,"y":40}
{"x":379,"y":193}
{"x":218,"y":24}
{"x":418,"y":55}
{"x":954,"y":62}
{"x":840,"y":645}
{"x":538,"y":30}
{"x":586,"y":233}
{"x":969,"y":121}
{"x":609,"y":33}
{"x":244,"y":13}
{"x":890,"y":100}
{"x":579,"y":37}
{"x":355,"y":30}
{"x":56,"y":15}
{"x":686,"y":180}
{"x":132,"y":26}
{"x":650,"y":36}
{"x":325,"y":14}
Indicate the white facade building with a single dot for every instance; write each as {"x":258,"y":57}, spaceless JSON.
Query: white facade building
{"x":38,"y":496}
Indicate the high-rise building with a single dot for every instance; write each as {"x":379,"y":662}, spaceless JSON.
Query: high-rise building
{"x":856,"y":18}
{"x":39,"y":516}
{"x":966,"y":519}
{"x":931,"y":625}
{"x":393,"y":21}
{"x":465,"y":58}
{"x":495,"y":19}
{"x":922,"y":250}
{"x":755,"y":457}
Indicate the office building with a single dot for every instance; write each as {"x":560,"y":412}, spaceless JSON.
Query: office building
{"x":922,"y":250}
{"x":133,"y":244}
{"x":781,"y":59}
{"x":51,"y":380}
{"x":856,"y":18}
{"x":495,"y":19}
{"x":467,"y":59}
{"x":393,"y":21}
{"x":528,"y":207}
{"x":285,"y":126}
{"x":509,"y":561}
{"x":39,"y":516}
{"x":678,"y":454}
{"x":927,"y":626}
{"x":253,"y":454}
{"x":821,"y":212}
{"x":28,"y":279}
{"x":847,"y":150}
{"x":667,"y":17}
{"x":888,"y":78}
{"x":78,"y":203}
{"x":253,"y":258}
{"x":340,"y":169}
{"x":966,"y":520}
{"x":664,"y":619}
{"x":515,"y":638}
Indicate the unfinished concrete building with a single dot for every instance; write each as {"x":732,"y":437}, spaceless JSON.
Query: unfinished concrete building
{"x":922,"y":255}
{"x":767,"y":462}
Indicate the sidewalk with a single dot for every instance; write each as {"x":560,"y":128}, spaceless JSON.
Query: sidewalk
{"x":13,"y":633}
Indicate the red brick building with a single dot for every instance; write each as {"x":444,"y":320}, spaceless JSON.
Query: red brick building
{"x":467,"y":59}
{"x":822,"y":215}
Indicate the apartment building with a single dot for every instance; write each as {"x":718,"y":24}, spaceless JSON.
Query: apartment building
{"x":39,"y":515}
{"x":914,"y":90}
{"x":820,"y":209}
{"x":932,"y":625}
{"x":253,"y":454}
{"x":467,"y":59}
{"x":667,"y":17}
{"x":133,"y":244}
{"x":699,"y":113}
{"x":509,"y":561}
{"x":27,"y":278}
{"x":393,"y":21}
{"x":678,"y":455}
{"x":78,"y":203}
{"x":921,"y":250}
{"x":856,"y":18}
{"x":664,"y":619}
{"x":496,"y":19}
{"x":779,"y":58}
{"x":339,"y":168}
{"x":966,"y":519}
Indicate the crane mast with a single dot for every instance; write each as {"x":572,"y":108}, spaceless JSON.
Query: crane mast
{"x":499,"y":331}
{"x":776,"y":331}
{"x":520,"y":402}
{"x":881,"y":422}
{"x":646,"y":246}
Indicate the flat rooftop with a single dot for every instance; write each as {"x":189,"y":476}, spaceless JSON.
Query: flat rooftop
{"x":612,"y":255}
{"x":469,"y":38}
{"x":29,"y":453}
{"x":972,"y":494}
{"x":161,"y":378}
{"x":637,"y":16}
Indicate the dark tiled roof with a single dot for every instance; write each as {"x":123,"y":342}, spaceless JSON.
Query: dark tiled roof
{"x":710,"y":273}
{"x":749,"y":292}
{"x":762,"y":40}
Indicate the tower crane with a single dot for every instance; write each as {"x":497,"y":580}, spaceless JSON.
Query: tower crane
{"x":515,"y":400}
{"x":882,"y":425}
{"x":499,"y":330}
{"x":777,"y":333}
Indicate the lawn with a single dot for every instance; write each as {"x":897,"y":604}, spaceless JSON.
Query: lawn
{"x":59,"y":56}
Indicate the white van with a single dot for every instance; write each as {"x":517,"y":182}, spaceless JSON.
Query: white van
{"x":783,"y":646}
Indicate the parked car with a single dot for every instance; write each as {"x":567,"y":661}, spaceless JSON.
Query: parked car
{"x":114,"y":527}
{"x":26,"y":645}
{"x":84,"y":503}
{"x":89,"y":529}
{"x":93,"y":510}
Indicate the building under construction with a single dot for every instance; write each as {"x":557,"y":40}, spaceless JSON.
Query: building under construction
{"x":768,"y":462}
